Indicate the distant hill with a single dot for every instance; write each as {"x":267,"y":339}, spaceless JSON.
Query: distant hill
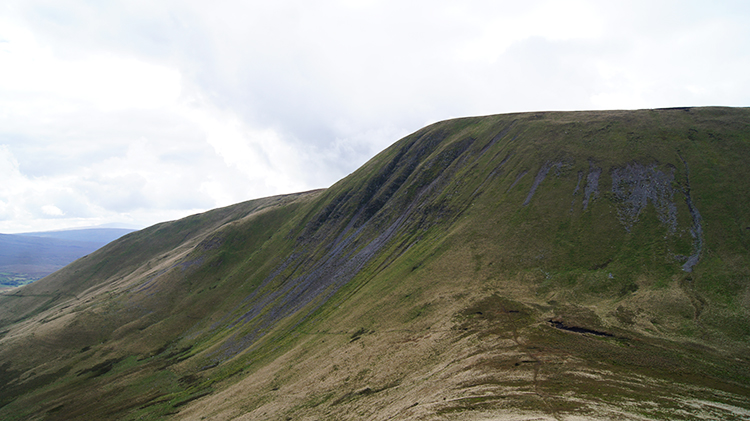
{"x":589,"y":265}
{"x":90,"y":235}
{"x":28,"y":257}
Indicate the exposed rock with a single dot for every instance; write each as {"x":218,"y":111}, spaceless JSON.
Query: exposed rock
{"x":518,"y":178}
{"x":575,"y":192}
{"x":636,"y":184}
{"x":540,"y":176}
{"x":697,"y":229}
{"x":592,"y":185}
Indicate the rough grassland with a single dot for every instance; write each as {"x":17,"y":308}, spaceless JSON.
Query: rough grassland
{"x":562,"y":266}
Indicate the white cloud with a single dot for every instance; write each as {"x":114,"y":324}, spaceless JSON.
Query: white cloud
{"x":550,"y":20}
{"x":141,"y":110}
{"x":52,"y":210}
{"x":102,"y":80}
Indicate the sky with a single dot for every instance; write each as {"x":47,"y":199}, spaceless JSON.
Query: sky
{"x":138,"y":112}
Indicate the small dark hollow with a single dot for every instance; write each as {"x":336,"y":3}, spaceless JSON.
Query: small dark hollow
{"x":562,"y":326}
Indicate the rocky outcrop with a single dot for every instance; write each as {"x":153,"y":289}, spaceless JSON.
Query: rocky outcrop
{"x":697,"y":229}
{"x":575,"y":192}
{"x":635,"y":185}
{"x":591,"y":191}
{"x":540,"y":176}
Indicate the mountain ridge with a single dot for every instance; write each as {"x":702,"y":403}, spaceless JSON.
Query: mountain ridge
{"x":545,"y":265}
{"x":101,"y":235}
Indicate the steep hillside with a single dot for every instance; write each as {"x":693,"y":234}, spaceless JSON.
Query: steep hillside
{"x":529,"y":266}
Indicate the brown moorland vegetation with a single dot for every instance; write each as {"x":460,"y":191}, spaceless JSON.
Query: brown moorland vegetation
{"x":560,"y":265}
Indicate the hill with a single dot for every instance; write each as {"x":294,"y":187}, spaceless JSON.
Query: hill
{"x":27,"y":257}
{"x":91,"y":235}
{"x":559,"y":265}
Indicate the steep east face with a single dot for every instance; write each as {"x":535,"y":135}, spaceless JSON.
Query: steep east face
{"x":539,"y":264}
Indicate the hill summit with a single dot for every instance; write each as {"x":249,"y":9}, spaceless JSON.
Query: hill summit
{"x":557,"y":265}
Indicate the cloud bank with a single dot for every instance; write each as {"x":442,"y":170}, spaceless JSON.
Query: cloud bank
{"x":140,"y":111}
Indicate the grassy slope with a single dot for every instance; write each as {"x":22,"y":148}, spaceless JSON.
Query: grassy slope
{"x":421,"y":286}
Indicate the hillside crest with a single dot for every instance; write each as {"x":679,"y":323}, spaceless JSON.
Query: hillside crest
{"x":544,"y":264}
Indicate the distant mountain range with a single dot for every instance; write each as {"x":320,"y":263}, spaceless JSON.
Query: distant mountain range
{"x":533,"y":266}
{"x":27,"y":257}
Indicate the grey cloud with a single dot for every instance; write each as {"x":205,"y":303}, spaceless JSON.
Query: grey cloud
{"x":338,"y":84}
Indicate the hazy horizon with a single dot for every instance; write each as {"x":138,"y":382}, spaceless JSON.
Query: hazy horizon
{"x":112,"y":225}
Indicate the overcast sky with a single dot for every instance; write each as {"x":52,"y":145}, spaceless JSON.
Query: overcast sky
{"x":137,"y":112}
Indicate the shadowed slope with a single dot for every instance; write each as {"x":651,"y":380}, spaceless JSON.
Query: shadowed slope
{"x":546,"y":264}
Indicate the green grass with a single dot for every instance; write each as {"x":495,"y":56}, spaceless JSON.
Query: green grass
{"x":423,"y":263}
{"x":13,"y":280}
